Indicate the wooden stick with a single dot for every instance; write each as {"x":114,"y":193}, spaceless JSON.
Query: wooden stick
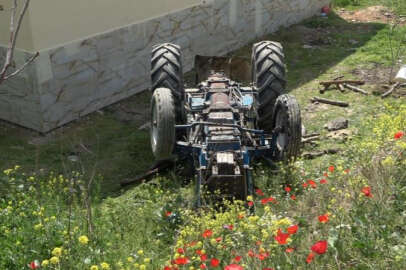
{"x":310,"y":139}
{"x":310,"y":135}
{"x":355,"y":89}
{"x":341,"y":88}
{"x":328,"y":83}
{"x":387,"y":93}
{"x":330,"y":102}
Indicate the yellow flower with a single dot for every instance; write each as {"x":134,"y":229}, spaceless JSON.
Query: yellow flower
{"x":45,"y":263}
{"x":54,"y":260}
{"x":37,"y":226}
{"x":249,"y":198}
{"x":57,"y":251}
{"x":130,"y":259}
{"x":142,"y":267}
{"x":105,"y":266}
{"x":147,"y":260}
{"x":140,"y":252}
{"x":94,"y":267}
{"x":83,"y":239}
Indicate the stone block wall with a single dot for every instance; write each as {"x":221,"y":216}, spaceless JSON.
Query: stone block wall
{"x":72,"y":80}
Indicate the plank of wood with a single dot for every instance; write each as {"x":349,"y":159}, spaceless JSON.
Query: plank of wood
{"x":330,"y":102}
{"x":355,"y":89}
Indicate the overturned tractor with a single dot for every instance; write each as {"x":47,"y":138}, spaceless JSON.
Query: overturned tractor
{"x":221,"y":126}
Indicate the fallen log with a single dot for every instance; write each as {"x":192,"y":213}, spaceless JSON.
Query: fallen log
{"x":330,"y":102}
{"x":157,"y":167}
{"x":387,"y":93}
{"x":336,"y":82}
{"x":341,"y":88}
{"x":312,"y":155}
{"x":355,"y":89}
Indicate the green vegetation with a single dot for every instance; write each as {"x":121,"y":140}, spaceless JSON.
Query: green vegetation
{"x":71,"y":214}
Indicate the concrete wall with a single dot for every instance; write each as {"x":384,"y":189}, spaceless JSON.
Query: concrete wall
{"x":80,"y":77}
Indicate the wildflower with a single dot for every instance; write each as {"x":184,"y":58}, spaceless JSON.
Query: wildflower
{"x":207,"y":233}
{"x":105,"y":266}
{"x":305,"y":185}
{"x":293,"y":197}
{"x":34,"y":264}
{"x":323,"y":181}
{"x":249,"y":198}
{"x":140,"y":252}
{"x":57,"y":252}
{"x":143,"y":267}
{"x":94,"y":267}
{"x":310,"y":257}
{"x":45,"y":263}
{"x":399,"y":135}
{"x":237,"y":258}
{"x":292,"y":229}
{"x":267,"y":268}
{"x":331,"y":169}
{"x":203,"y":266}
{"x":147,"y":260}
{"x":181,"y":251}
{"x":289,"y":250}
{"x":54,"y":260}
{"x":320,"y":247}
{"x":218,"y":239}
{"x":259,"y":192}
{"x":281,"y":237}
{"x":214,"y":262}
{"x":325,"y":174}
{"x":83,"y":239}
{"x":347,"y":171}
{"x":250,"y":203}
{"x":182,"y":261}
{"x":323,"y":218}
{"x":287,"y":189}
{"x":367,"y":191}
{"x":168,"y":213}
{"x":228,"y":227}
{"x":233,"y":267}
{"x":312,"y":183}
{"x":203,"y":257}
{"x":251,"y":253}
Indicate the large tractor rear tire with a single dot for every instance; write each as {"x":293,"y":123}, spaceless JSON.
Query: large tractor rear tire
{"x":162,"y":123}
{"x":167,"y":72}
{"x":268,"y":74}
{"x":287,"y":124}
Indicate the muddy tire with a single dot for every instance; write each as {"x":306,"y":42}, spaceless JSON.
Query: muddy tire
{"x":287,"y":124}
{"x":167,"y":72}
{"x":162,"y":123}
{"x":268,"y":74}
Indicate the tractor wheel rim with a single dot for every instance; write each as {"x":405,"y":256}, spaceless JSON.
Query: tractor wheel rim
{"x":282,"y":138}
{"x":154,"y":127}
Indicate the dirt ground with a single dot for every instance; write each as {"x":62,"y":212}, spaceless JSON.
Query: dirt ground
{"x":379,"y":14}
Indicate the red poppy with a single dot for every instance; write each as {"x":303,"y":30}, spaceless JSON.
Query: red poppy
{"x":34,"y":265}
{"x":233,"y":267}
{"x":288,"y":189}
{"x":191,"y":244}
{"x":289,"y":250}
{"x":310,"y":257}
{"x":312,"y":183}
{"x":203,"y":257}
{"x":168,"y":213}
{"x":250,"y":203}
{"x":292,"y":229}
{"x":282,"y":237}
{"x":323,"y":181}
{"x":293,"y":197}
{"x":237,"y":258}
{"x":347,"y":171}
{"x":267,"y":268}
{"x":207,"y":233}
{"x":259,"y":192}
{"x":167,"y":268}
{"x":323,"y":218}
{"x":399,"y":135}
{"x":325,"y":174}
{"x":320,"y":247}
{"x":258,"y":243}
{"x":218,"y":239}
{"x":214,"y":262}
{"x":251,"y":253}
{"x":305,"y":185}
{"x":367,"y":191}
{"x":181,"y":261}
{"x":199,"y":252}
{"x":331,"y":169}
{"x":203,"y":266}
{"x":264,"y":201}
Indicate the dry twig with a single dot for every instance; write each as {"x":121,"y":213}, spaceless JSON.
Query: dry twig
{"x":387,"y":93}
{"x":355,"y":89}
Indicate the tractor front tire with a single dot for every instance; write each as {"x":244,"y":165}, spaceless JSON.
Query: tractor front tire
{"x":268,"y":74}
{"x":287,"y":125}
{"x":162,"y":123}
{"x":167,"y":72}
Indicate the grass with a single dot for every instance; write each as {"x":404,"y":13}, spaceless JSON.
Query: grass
{"x":48,"y":203}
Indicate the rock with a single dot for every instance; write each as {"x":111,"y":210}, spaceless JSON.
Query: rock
{"x":337,"y":124}
{"x":340,"y":135}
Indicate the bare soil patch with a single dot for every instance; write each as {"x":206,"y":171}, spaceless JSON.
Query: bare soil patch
{"x":379,"y":14}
